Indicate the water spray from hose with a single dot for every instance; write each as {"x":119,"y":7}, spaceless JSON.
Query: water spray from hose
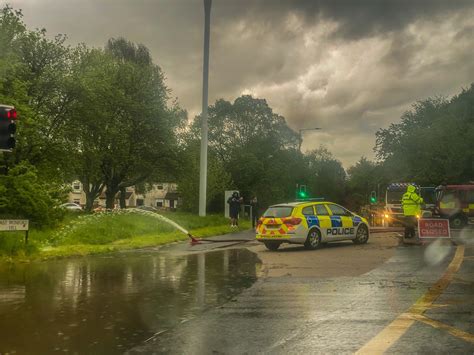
{"x":159,"y":216}
{"x":194,"y":240}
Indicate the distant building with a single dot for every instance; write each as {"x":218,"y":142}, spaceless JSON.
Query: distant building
{"x":130,"y":198}
{"x":159,"y":195}
{"x":76,"y":194}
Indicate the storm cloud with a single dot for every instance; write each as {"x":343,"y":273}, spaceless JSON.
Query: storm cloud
{"x":349,"y":67}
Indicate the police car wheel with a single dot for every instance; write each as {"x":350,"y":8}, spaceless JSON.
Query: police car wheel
{"x":362,"y":235}
{"x":272,"y":245}
{"x":313,"y":240}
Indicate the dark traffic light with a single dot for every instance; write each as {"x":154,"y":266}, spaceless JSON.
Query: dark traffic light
{"x":8,"y":118}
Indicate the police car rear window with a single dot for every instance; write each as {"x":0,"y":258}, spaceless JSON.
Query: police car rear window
{"x":278,"y":212}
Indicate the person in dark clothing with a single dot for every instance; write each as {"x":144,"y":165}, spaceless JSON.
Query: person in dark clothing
{"x":255,"y":211}
{"x":234,"y":208}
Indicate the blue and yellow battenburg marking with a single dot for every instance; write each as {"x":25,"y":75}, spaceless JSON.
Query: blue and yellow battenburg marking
{"x":333,"y":221}
{"x":356,"y":220}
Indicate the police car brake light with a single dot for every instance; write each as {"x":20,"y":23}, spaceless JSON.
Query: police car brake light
{"x":292,"y":221}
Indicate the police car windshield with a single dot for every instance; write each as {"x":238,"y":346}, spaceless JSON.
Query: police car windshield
{"x":278,"y":211}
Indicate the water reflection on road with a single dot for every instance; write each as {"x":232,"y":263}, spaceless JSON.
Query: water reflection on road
{"x":107,"y":304}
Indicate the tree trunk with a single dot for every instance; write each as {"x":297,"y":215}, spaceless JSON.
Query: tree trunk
{"x":110,"y":198}
{"x":123,"y":194}
{"x":89,"y":201}
{"x":92,"y":191}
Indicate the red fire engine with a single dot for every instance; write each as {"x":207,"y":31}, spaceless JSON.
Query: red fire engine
{"x":456,"y":202}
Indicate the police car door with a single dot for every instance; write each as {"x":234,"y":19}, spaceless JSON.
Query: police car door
{"x":324,"y":221}
{"x":341,"y":221}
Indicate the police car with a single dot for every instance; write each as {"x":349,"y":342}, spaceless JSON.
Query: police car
{"x":310,"y":224}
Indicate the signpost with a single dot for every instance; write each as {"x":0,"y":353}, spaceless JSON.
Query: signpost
{"x":14,"y":225}
{"x":433,"y":228}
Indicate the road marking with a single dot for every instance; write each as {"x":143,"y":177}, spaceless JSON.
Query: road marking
{"x":458,"y":333}
{"x":391,"y":333}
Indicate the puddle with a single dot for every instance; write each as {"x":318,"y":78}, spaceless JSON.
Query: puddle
{"x":107,"y":304}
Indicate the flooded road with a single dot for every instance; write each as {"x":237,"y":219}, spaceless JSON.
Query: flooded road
{"x":375,"y":298}
{"x":107,"y":304}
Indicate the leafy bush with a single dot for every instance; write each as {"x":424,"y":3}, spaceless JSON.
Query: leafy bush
{"x":23,"y":195}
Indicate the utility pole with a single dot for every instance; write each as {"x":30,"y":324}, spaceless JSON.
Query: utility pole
{"x":205,"y":89}
{"x":301,"y":135}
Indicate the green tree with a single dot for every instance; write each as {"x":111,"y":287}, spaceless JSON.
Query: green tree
{"x":26,"y":196}
{"x":122,"y":124}
{"x":363,"y":178}
{"x":248,"y":123}
{"x":432,"y":143}
{"x":34,"y":77}
{"x":143,"y":123}
{"x":255,"y":146}
{"x":283,"y":170}
{"x":325,"y":175}
{"x":218,"y":180}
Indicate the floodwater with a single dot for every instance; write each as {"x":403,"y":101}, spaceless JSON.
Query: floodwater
{"x":108,"y":304}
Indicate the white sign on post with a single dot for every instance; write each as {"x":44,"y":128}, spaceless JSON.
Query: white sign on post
{"x":12,"y":225}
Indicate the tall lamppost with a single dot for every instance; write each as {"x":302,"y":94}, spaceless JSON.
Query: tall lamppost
{"x":301,"y":135}
{"x":204,"y":129}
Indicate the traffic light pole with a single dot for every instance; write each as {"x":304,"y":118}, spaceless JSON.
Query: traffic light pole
{"x":4,"y":170}
{"x":204,"y":128}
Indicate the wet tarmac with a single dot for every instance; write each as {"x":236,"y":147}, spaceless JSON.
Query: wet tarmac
{"x":384,"y":296}
{"x":107,"y":304}
{"x":412,"y":301}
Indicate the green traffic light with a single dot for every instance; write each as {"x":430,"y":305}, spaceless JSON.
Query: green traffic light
{"x":373,"y":199}
{"x":302,"y":194}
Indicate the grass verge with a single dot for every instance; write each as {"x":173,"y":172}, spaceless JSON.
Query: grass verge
{"x":83,"y":234}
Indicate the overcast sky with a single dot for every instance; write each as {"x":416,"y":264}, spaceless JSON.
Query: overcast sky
{"x":349,"y":67}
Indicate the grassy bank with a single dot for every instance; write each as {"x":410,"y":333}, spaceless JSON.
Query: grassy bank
{"x":81,"y":234}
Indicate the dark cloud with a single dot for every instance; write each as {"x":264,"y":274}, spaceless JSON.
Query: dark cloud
{"x":349,"y":66}
{"x":356,"y":18}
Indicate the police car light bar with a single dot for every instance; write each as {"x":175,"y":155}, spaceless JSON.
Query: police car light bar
{"x":310,"y":199}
